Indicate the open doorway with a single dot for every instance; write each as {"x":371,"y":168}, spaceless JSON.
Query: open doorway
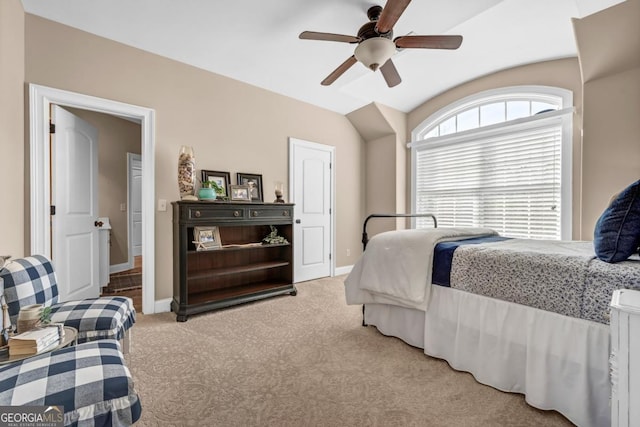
{"x":41,"y":98}
{"x":126,"y":279}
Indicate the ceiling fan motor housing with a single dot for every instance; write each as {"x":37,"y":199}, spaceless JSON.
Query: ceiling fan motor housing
{"x":368,"y":30}
{"x":375,"y":48}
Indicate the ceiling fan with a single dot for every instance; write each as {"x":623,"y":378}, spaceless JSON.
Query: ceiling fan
{"x":375,"y":46}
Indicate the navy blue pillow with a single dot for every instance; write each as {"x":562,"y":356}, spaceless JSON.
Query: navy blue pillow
{"x":617,"y":233}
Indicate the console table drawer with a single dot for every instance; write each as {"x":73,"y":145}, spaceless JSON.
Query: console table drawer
{"x":260,"y":212}
{"x":218,"y":212}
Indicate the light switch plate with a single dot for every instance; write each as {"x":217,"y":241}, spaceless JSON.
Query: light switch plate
{"x":162,"y":205}
{"x":123,"y":207}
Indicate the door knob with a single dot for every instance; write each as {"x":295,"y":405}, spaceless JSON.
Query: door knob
{"x":98,"y":223}
{"x":298,"y":221}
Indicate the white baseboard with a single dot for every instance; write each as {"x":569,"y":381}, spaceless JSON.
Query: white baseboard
{"x":163,"y":305}
{"x":339,"y":271}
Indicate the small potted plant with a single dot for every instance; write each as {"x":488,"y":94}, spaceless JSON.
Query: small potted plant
{"x":45,"y":320}
{"x":210,"y":190}
{"x":45,"y":316}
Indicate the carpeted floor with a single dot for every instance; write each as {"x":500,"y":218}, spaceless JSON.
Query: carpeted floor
{"x":304,"y":361}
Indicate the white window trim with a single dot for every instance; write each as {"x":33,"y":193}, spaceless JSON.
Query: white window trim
{"x":543,"y":93}
{"x":540,"y":93}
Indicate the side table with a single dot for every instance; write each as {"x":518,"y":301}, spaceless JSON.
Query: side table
{"x":69,"y":339}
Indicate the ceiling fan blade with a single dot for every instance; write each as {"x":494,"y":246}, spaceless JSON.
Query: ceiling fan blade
{"x":314,"y":35}
{"x":390,"y":15}
{"x":390,"y":74}
{"x":339,"y":71}
{"x":429,"y":42}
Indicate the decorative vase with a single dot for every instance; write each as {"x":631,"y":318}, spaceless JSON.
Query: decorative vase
{"x":207,"y":194}
{"x":278,"y":191}
{"x":187,"y":173}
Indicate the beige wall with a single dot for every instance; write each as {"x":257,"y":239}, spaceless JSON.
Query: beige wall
{"x":611,"y":141}
{"x":385,"y":134}
{"x":563,"y":73}
{"x":609,"y":46}
{"x":12,"y":148}
{"x":220,"y":117}
{"x":116,"y":138}
{"x":381,"y":182}
{"x":398,"y":121}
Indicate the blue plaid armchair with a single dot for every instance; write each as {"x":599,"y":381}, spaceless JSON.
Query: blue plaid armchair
{"x":90,"y":381}
{"x":32,"y":280}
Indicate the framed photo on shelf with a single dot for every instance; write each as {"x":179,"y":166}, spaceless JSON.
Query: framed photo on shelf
{"x":240,"y":193}
{"x":206,"y":238}
{"x":254,"y":182}
{"x":223,"y":179}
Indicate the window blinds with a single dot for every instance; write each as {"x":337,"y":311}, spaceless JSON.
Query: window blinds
{"x":508,"y":180}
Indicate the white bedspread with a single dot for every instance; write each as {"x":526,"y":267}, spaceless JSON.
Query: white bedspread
{"x":396,"y":266}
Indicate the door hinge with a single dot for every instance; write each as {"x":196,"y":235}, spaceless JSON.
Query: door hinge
{"x":52,"y":210}
{"x":329,"y":257}
{"x":330,"y":165}
{"x":52,"y":128}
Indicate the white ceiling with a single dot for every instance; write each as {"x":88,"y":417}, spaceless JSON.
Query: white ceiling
{"x":256,"y":41}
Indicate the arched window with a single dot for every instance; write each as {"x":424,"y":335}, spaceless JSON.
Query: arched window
{"x":499,"y":159}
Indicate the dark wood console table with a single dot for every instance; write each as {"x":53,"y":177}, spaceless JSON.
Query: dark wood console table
{"x":239,"y":271}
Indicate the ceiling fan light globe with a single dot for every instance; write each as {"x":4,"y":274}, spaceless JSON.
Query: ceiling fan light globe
{"x":374,"y":52}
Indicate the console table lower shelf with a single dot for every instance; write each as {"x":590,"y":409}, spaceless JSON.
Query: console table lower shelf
{"x":221,"y":298}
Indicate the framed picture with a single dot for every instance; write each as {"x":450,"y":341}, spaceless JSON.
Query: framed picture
{"x":206,"y":238}
{"x":223,"y":179}
{"x":240,"y":192}
{"x":254,"y":182}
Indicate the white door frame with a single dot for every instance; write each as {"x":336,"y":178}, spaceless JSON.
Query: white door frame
{"x":40,"y":99}
{"x":130,"y":159}
{"x":332,"y":201}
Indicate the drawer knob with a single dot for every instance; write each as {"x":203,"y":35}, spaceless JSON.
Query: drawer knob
{"x":197,"y":214}
{"x":285,"y":213}
{"x":254,"y":213}
{"x":236,"y":213}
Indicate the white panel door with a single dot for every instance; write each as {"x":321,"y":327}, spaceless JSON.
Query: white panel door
{"x":74,"y":193}
{"x":135,"y":204}
{"x":311,"y":191}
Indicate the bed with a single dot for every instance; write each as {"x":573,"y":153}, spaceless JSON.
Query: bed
{"x":522,"y":316}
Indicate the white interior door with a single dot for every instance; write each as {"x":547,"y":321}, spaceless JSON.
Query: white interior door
{"x":310,"y":186}
{"x":74,"y":193}
{"x":135,"y":204}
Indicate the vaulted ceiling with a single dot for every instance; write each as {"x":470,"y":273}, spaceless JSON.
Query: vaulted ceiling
{"x":256,"y":41}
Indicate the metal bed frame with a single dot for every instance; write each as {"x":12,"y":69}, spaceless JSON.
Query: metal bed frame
{"x":365,"y":236}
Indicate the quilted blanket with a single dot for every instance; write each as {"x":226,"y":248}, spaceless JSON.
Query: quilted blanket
{"x":559,"y":276}
{"x":549,"y":275}
{"x":397,"y":265}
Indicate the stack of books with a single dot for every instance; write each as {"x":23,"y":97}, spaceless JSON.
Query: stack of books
{"x":34,"y":341}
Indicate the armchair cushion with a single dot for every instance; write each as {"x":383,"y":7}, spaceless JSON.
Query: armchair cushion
{"x":89,"y":380}
{"x":96,"y":318}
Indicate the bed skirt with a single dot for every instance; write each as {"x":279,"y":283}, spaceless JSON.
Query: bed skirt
{"x":557,"y":362}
